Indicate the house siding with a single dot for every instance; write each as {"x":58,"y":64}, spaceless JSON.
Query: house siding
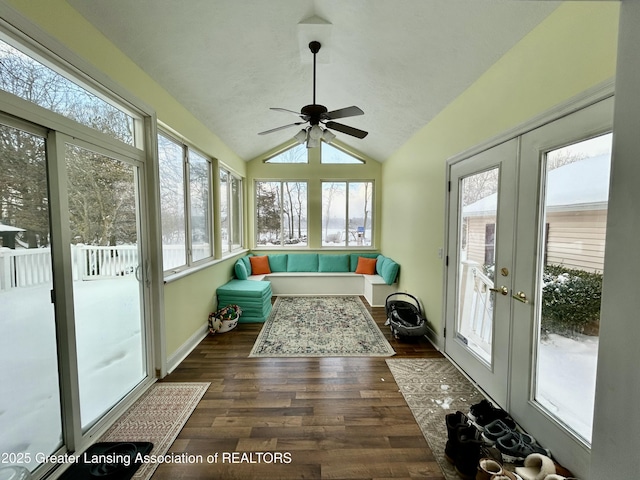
{"x":574,"y":239}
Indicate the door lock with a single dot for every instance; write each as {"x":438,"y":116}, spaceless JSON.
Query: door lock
{"x":502,"y":290}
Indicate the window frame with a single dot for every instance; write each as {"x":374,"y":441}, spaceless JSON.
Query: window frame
{"x":190,"y":263}
{"x":232,"y":249}
{"x":347,"y":183}
{"x":282,"y":229}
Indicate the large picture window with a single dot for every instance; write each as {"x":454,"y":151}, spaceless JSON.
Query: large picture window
{"x":281,"y":213}
{"x":347,"y":214}
{"x":185,"y":204}
{"x":230,"y":211}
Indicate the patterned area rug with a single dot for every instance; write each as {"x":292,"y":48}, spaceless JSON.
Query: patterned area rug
{"x":433,"y":387}
{"x":157,"y":417}
{"x":320,"y":327}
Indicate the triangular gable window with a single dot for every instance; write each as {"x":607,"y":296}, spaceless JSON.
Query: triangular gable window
{"x":331,"y":154}
{"x":297,"y":154}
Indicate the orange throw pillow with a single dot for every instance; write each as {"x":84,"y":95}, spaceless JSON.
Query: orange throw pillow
{"x":366,"y":266}
{"x":259,"y":265}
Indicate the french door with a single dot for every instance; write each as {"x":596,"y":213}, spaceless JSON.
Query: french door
{"x":538,"y":279}
{"x":480,"y":252}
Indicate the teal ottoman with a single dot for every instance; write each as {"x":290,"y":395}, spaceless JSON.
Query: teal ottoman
{"x":253,"y":298}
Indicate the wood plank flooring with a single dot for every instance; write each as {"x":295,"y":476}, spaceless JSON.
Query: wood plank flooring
{"x":317,"y":418}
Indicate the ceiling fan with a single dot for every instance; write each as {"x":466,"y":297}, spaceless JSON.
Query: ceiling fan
{"x":318,"y":117}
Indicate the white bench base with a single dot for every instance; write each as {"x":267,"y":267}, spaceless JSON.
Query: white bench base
{"x":373,"y":287}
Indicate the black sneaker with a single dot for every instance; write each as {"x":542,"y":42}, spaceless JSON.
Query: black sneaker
{"x":483,"y":407}
{"x":483,"y":413}
{"x":514,"y":449}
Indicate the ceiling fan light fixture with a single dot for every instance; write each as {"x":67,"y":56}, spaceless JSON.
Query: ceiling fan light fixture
{"x":328,"y":136}
{"x":315,"y":132}
{"x":301,"y":136}
{"x":313,"y":142}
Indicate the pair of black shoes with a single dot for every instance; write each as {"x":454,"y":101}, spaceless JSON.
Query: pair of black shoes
{"x":463,"y":446}
{"x":483,"y":413}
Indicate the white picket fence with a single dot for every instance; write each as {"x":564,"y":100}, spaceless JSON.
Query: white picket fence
{"x":32,"y":266}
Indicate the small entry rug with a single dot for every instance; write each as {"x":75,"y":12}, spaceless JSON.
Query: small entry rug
{"x":325,"y":326}
{"x":433,"y":387}
{"x":157,"y":417}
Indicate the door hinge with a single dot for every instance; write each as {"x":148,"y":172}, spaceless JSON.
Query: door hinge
{"x":446,"y":261}
{"x":53,"y":297}
{"x":445,"y":332}
{"x":449,"y":186}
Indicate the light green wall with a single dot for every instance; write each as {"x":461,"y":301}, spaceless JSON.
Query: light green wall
{"x":187,"y":301}
{"x":572,"y":50}
{"x":314,"y":173}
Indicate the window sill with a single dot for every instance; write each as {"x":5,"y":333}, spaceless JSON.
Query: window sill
{"x":173,"y":276}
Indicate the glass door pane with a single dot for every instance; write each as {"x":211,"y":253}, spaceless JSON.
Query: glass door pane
{"x":476,"y":256}
{"x":107,"y":291}
{"x":574,"y":217}
{"x":30,"y":415}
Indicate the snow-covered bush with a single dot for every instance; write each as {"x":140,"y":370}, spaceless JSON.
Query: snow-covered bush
{"x":570,"y":300}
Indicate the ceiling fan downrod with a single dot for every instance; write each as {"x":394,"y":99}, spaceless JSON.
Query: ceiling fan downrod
{"x":314,"y":46}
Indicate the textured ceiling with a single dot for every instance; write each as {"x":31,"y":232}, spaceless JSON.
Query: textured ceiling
{"x":228,"y":61}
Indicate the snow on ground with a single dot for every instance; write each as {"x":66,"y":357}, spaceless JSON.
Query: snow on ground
{"x":110,"y":358}
{"x":567,"y":380}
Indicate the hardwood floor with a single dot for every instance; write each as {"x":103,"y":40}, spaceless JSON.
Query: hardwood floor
{"x":318,"y":418}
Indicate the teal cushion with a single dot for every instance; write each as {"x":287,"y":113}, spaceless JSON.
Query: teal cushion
{"x":278,"y":263}
{"x":380,"y":263}
{"x":241,"y":270}
{"x":244,"y":288}
{"x":302,"y":262}
{"x":333,"y":263}
{"x":354,"y":259}
{"x":390,"y":271}
{"x":247,"y":263}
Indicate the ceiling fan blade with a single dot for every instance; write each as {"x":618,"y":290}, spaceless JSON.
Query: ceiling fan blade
{"x":281,"y":128}
{"x":354,"y":132}
{"x":343,"y":113}
{"x":277,"y":109}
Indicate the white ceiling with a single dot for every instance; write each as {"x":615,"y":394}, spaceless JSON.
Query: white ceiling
{"x":228,"y":61}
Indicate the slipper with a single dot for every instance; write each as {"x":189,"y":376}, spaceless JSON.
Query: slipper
{"x":506,"y":475}
{"x":537,"y":467}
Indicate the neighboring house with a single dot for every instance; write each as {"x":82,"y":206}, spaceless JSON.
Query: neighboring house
{"x":8,"y":235}
{"x":576,"y":217}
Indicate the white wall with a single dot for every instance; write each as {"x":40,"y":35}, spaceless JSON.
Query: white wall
{"x":616,"y":434}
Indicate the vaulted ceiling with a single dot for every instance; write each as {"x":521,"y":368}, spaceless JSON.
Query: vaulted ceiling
{"x":228,"y":61}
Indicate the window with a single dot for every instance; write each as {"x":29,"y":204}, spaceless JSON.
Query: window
{"x":185,"y":204}
{"x":281,"y":213}
{"x":297,"y":154}
{"x":347,"y":213}
{"x":31,"y":80}
{"x":331,"y":154}
{"x":200,"y":203}
{"x":230,"y":211}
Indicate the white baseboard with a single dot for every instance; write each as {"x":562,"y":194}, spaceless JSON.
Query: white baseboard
{"x":433,"y":337}
{"x":186,"y":348}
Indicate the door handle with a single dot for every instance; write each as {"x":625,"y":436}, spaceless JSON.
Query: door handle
{"x":521,"y":297}
{"x":502,"y":290}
